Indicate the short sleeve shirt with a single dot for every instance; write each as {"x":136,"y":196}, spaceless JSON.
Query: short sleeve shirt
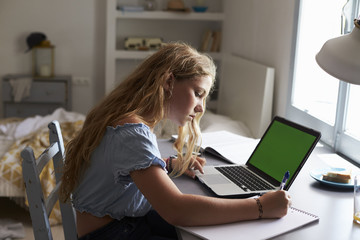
{"x":106,"y":187}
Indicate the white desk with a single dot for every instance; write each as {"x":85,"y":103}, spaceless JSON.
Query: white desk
{"x":333,"y":206}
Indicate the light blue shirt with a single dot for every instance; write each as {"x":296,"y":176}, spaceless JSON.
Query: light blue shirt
{"x":106,"y":187}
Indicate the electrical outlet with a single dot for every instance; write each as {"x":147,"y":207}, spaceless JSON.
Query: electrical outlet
{"x":80,"y":81}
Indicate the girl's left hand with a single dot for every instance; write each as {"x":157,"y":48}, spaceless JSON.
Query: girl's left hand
{"x":197,"y":163}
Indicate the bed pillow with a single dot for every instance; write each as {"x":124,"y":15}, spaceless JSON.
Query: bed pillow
{"x":210,"y":122}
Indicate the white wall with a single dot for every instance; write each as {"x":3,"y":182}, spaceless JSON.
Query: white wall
{"x":262,"y":31}
{"x":259,"y":30}
{"x":76,"y":28}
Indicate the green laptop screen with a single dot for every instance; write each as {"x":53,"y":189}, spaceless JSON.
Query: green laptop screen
{"x":282,"y":149}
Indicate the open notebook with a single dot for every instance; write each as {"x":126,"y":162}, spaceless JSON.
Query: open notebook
{"x":255,"y":229}
{"x":229,"y":146}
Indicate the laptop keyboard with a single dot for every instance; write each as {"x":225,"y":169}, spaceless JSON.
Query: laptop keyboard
{"x":244,"y":178}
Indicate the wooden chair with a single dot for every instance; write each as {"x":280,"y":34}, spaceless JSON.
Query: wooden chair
{"x":40,"y":206}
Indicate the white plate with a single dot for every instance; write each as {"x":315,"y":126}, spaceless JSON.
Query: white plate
{"x":317,"y":175}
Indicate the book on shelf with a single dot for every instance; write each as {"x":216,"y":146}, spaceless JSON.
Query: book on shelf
{"x":215,"y":46}
{"x":211,"y":41}
{"x":206,"y":40}
{"x":231,"y":147}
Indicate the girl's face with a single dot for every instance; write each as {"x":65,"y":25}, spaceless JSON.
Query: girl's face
{"x":187,"y":98}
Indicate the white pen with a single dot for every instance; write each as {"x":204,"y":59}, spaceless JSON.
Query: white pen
{"x":285,"y":178}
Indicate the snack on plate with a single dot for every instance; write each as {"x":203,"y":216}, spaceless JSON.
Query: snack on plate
{"x":337,"y":176}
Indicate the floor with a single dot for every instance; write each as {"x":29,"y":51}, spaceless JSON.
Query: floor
{"x":10,"y":210}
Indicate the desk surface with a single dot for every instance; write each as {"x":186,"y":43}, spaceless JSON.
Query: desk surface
{"x":333,"y":206}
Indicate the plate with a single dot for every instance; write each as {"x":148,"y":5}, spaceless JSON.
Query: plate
{"x":317,"y":175}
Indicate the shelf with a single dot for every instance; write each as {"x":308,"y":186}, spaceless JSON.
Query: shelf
{"x":128,"y":54}
{"x":170,"y":25}
{"x":191,"y":16}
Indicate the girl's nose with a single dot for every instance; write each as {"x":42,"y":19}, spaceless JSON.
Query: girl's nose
{"x":199,"y":108}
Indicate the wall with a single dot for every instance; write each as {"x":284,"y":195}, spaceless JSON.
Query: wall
{"x":258,"y":30}
{"x":262,"y":31}
{"x":76,"y":28}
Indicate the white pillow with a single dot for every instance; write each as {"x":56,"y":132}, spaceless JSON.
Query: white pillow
{"x":210,"y":122}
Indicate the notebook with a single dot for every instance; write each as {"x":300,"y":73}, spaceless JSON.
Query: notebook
{"x":285,"y":146}
{"x":254,"y":230}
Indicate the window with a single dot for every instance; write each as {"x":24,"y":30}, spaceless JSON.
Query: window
{"x":319,"y":100}
{"x":352,"y":125}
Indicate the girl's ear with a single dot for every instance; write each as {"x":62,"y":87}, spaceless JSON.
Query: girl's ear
{"x":169,"y":82}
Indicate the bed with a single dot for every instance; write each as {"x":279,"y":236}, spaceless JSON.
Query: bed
{"x":15,"y":135}
{"x":244,"y":107}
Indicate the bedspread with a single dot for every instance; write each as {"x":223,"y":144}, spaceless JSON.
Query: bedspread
{"x":10,"y":163}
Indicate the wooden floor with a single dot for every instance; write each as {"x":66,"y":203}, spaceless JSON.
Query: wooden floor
{"x":10,"y":210}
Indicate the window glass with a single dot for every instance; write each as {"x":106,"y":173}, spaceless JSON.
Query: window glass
{"x":352,"y":123}
{"x":314,"y":91}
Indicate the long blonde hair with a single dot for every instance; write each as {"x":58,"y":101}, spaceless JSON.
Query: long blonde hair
{"x":142,"y":94}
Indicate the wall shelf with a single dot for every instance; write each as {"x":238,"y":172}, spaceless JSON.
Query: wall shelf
{"x":184,"y":16}
{"x":128,"y":54}
{"x":171,"y":26}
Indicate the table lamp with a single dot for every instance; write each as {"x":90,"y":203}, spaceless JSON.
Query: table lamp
{"x":340,"y":57}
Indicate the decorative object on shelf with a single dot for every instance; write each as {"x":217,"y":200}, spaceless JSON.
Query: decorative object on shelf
{"x":150,"y":5}
{"x":42,"y":55}
{"x":153,"y":43}
{"x":34,"y":39}
{"x":176,"y":5}
{"x":200,"y":6}
{"x":142,"y":44}
{"x":43,"y":59}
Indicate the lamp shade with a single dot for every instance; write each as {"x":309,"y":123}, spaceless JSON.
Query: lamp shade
{"x":340,"y":57}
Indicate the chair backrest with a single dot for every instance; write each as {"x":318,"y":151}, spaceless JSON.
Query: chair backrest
{"x":40,"y":206}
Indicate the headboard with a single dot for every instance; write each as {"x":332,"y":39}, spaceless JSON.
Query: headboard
{"x":246,"y":93}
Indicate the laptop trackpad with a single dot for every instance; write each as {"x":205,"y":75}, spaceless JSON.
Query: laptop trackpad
{"x":215,"y":179}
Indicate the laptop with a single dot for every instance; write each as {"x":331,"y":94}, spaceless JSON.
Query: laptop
{"x":285,"y":146}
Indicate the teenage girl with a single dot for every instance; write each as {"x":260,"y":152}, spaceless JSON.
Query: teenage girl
{"x":114,"y":174}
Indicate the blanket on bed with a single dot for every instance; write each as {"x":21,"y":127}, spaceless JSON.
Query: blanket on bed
{"x":10,"y":163}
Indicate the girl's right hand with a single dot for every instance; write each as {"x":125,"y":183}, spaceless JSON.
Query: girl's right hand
{"x":275,"y":204}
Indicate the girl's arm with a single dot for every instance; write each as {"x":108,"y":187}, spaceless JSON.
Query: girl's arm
{"x":193,"y":210}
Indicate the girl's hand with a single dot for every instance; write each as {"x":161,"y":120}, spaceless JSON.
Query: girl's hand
{"x":197,"y":163}
{"x":275,"y":204}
